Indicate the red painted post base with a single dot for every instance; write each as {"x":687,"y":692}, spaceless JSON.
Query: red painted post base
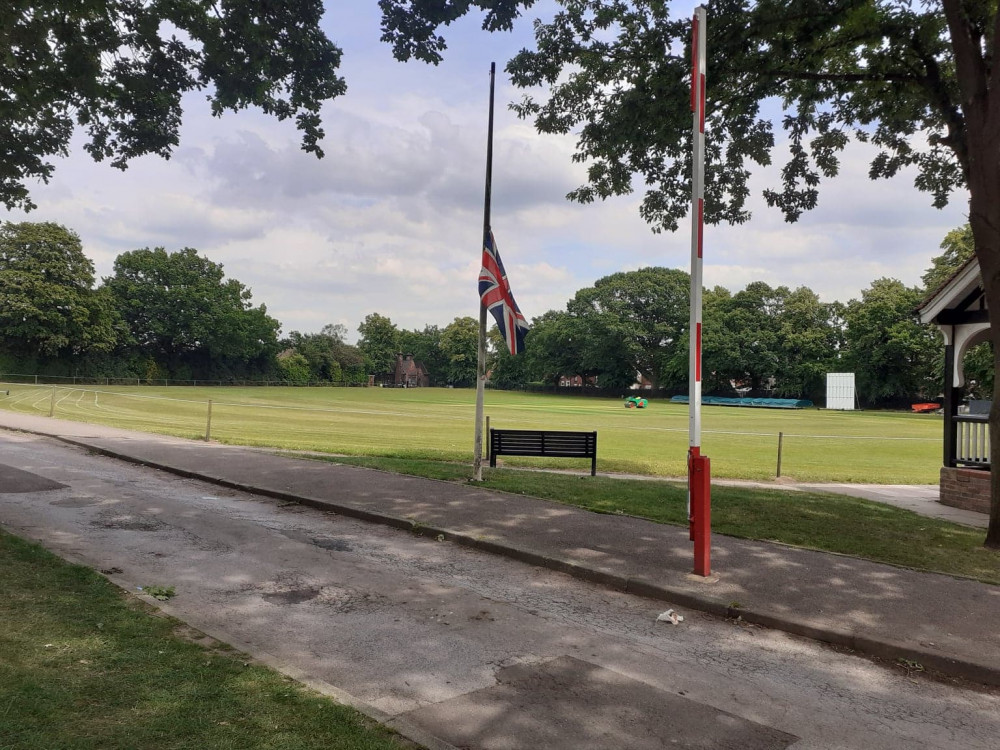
{"x":692,"y":452}
{"x":701,"y":512}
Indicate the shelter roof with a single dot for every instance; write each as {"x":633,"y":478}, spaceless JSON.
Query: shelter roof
{"x":956,"y":292}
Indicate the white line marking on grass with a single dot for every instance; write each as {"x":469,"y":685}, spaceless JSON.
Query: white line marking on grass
{"x":22,"y":398}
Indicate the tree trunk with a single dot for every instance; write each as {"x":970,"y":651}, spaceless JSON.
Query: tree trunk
{"x":975,"y":140}
{"x":985,"y":221}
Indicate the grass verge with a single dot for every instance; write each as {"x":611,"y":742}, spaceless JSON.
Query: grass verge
{"x":818,"y":520}
{"x":83,"y":665}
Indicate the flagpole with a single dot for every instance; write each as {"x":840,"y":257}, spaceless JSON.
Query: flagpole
{"x":477,"y":452}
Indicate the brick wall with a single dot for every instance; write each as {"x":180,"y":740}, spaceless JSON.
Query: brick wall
{"x":965,"y":488}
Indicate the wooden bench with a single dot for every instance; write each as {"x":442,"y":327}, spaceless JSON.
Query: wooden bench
{"x":544,"y":443}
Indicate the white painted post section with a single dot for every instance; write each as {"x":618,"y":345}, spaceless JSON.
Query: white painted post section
{"x":697,"y":224}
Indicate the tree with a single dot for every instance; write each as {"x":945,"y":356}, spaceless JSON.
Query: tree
{"x":506,"y":370}
{"x":118,"y":70}
{"x":48,"y":306}
{"x":644,"y":313}
{"x":294,"y":367}
{"x":349,"y":358}
{"x":328,"y":357}
{"x":883,"y":72}
{"x":879,"y":72}
{"x":811,"y":339}
{"x":891,"y":352}
{"x":182,"y":312}
{"x":752,"y":323}
{"x":460,"y":347}
{"x":553,"y":346}
{"x":720,"y":363}
{"x":379,"y":343}
{"x":761,"y":333}
{"x":411,"y":25}
{"x":958,"y":246}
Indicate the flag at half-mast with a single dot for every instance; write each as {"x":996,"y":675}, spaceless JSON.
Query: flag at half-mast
{"x":495,"y":294}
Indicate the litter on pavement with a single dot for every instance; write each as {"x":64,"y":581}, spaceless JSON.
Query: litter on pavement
{"x":670,"y":616}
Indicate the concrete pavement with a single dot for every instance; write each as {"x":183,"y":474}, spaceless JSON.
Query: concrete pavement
{"x":941,"y":622}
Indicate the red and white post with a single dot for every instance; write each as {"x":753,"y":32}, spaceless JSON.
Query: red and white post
{"x":699,"y":484}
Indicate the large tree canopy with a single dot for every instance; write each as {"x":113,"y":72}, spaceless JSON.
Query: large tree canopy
{"x":646,"y":309}
{"x":118,"y":69}
{"x":878,"y":71}
{"x":47,"y":302}
{"x":379,"y":343}
{"x":886,"y":345}
{"x":179,"y":306}
{"x":460,"y":346}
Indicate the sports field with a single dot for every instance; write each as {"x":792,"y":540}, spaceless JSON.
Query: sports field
{"x":437,"y":423}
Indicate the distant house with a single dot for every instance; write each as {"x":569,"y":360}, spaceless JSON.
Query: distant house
{"x":408,"y":373}
{"x":642,"y":383}
{"x":576,"y":381}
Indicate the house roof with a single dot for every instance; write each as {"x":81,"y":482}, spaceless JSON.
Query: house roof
{"x":952,"y":292}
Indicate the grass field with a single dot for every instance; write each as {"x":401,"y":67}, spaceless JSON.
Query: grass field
{"x":437,"y":423}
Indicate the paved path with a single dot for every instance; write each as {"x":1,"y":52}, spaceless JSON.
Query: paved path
{"x":941,"y":622}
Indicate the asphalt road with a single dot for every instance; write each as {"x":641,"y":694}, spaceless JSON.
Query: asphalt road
{"x":477,"y":650}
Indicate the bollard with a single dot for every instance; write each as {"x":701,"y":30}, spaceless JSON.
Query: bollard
{"x":780,"y":436}
{"x":52,"y":403}
{"x":208,"y":426}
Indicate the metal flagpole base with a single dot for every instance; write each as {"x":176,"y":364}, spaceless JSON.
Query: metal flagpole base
{"x":699,"y":479}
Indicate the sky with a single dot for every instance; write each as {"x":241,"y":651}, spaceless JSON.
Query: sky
{"x":390,"y":220}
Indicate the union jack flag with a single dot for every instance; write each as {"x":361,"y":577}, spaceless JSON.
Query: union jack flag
{"x":495,"y":294}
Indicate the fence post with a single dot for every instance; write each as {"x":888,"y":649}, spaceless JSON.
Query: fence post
{"x":52,"y":402}
{"x":208,"y":426}
{"x":780,"y":436}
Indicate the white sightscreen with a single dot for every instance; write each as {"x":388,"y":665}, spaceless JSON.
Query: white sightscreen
{"x":840,"y":390}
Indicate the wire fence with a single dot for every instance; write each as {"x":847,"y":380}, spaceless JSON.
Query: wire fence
{"x":439,"y":425}
{"x":22,"y":378}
